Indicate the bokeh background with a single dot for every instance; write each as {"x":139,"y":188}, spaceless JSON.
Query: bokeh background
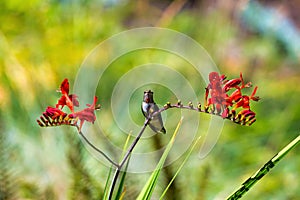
{"x":42,"y":42}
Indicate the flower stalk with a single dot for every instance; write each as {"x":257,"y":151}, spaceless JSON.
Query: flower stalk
{"x":123,"y":161}
{"x":96,"y":149}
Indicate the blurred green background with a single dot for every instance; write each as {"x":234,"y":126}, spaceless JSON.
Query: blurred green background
{"x":42,"y":42}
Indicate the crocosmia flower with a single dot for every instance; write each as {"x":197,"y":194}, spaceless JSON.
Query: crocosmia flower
{"x":225,"y":98}
{"x":66,"y":99}
{"x":56,"y":117}
{"x":54,"y":112}
{"x":87,"y":114}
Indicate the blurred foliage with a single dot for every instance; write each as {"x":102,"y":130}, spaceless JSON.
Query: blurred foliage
{"x":83,"y":185}
{"x":7,"y":176}
{"x":42,"y":42}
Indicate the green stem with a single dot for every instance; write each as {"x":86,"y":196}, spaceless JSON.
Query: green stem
{"x":119,"y":167}
{"x":263,"y":170}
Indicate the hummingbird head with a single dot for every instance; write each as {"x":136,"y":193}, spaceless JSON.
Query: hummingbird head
{"x":148,"y":96}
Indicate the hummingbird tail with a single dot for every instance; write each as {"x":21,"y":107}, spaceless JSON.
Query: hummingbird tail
{"x":163,"y":130}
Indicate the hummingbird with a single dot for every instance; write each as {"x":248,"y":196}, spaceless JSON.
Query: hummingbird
{"x":149,"y":107}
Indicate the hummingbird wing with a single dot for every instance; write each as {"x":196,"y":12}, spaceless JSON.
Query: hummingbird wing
{"x":163,"y":130}
{"x":159,"y":121}
{"x":156,"y":123}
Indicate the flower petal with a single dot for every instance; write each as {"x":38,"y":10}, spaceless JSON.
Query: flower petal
{"x":64,"y":87}
{"x":86,"y":114}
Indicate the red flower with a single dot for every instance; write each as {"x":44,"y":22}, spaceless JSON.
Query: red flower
{"x":243,"y":100}
{"x":229,"y":84}
{"x":66,"y":99}
{"x":86,"y":114}
{"x":55,"y":116}
{"x":223,"y":104}
{"x":54,"y":112}
{"x":214,"y":88}
{"x":235,"y":96}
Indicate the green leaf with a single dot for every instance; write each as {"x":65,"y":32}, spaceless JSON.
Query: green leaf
{"x":258,"y":175}
{"x":126,"y":145}
{"x":181,"y":166}
{"x":151,"y":183}
{"x":106,"y":188}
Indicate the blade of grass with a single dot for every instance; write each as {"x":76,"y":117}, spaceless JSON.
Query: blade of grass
{"x":126,"y":144}
{"x":105,"y":196}
{"x":181,"y":166}
{"x":150,"y":185}
{"x":122,"y":195}
{"x":263,"y":170}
